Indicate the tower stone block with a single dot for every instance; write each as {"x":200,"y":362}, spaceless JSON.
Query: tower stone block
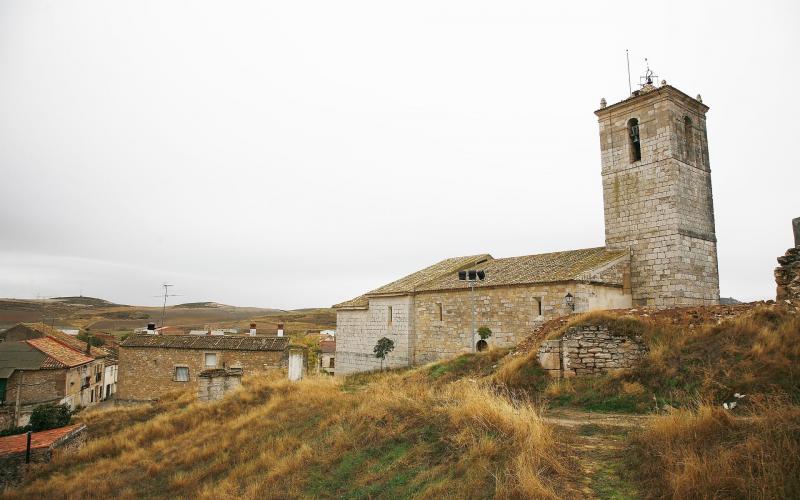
{"x":657,"y":196}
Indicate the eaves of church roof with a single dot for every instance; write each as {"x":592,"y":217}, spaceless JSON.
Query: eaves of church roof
{"x":571,"y":265}
{"x":408,"y":284}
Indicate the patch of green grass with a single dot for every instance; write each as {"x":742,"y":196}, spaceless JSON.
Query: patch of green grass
{"x":610,"y":480}
{"x":589,"y":430}
{"x":473,"y":364}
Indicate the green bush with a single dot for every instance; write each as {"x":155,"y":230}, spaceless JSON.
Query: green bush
{"x":49,"y":417}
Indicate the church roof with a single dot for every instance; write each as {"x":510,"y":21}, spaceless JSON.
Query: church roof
{"x":413,"y":281}
{"x":571,"y":265}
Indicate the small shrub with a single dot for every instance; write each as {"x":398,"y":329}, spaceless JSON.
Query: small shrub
{"x":484,"y":332}
{"x":49,"y":417}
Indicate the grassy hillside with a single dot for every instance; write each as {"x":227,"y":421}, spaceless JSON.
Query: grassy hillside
{"x":380,"y":436}
{"x":479,"y":425}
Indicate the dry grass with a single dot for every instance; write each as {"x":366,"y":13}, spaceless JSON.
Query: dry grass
{"x":396,"y":435}
{"x":706,"y":453}
{"x":756,"y":353}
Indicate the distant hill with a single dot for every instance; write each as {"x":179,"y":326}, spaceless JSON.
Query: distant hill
{"x":86,"y":301}
{"x":729,"y":301}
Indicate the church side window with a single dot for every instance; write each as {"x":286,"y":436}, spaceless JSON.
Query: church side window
{"x":389,"y":320}
{"x":688,"y":138}
{"x":635,"y":143}
{"x":538,"y":306}
{"x":439,"y":311}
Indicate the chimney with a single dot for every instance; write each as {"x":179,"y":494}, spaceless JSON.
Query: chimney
{"x":280,"y":329}
{"x":151,"y":328}
{"x":252,"y":329}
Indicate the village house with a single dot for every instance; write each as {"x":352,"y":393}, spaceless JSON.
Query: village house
{"x":40,"y":365}
{"x":327,"y":355}
{"x":152,"y":365}
{"x":660,"y":251}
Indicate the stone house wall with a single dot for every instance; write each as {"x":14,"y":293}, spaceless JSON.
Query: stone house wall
{"x":146,"y":373}
{"x":357,"y":332}
{"x":587,"y":350}
{"x":661,"y":206}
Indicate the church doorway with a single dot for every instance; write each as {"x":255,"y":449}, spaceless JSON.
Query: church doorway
{"x":481,"y":346}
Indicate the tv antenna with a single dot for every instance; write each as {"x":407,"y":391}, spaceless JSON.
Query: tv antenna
{"x":164,"y":307}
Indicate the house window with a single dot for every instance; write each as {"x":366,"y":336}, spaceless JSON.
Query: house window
{"x":181,"y":374}
{"x":331,"y":363}
{"x":635,"y":143}
{"x":390,"y":316}
{"x":439,"y":311}
{"x":210,"y":360}
{"x":688,"y":138}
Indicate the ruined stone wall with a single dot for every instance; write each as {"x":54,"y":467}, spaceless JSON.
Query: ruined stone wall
{"x":213,"y":385}
{"x":358,"y":331}
{"x":787,"y":275}
{"x":146,"y":373}
{"x":661,"y":207}
{"x":511,"y":313}
{"x":587,"y":350}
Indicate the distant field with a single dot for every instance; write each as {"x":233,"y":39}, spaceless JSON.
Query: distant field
{"x":102,"y":315}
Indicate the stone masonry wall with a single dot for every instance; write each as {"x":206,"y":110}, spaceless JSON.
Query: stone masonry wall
{"x":587,"y":350}
{"x":146,"y":373}
{"x":511,"y":313}
{"x":661,"y":207}
{"x":358,"y":331}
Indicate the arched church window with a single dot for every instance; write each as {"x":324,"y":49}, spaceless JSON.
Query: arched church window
{"x":635,"y":143}
{"x":688,"y":138}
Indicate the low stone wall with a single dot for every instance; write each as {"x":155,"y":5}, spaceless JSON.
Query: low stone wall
{"x":13,"y":467}
{"x":587,"y":350}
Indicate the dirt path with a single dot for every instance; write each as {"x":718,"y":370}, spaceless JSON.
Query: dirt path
{"x":599,"y":441}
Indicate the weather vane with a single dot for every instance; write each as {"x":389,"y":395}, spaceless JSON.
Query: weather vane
{"x":648,"y":75}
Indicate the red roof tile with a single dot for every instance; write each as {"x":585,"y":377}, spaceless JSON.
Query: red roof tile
{"x":61,"y":353}
{"x":43,"y":439}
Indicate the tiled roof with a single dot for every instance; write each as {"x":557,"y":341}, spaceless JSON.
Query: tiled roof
{"x":68,"y":340}
{"x":44,"y":439}
{"x":227,"y":342}
{"x":571,"y":265}
{"x":415,"y":280}
{"x":530,"y":269}
{"x":327,"y":346}
{"x":59,"y":355}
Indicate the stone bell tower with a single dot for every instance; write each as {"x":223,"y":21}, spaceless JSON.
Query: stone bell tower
{"x":657,"y":195}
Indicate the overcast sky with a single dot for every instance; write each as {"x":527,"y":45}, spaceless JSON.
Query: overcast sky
{"x":296,"y":154}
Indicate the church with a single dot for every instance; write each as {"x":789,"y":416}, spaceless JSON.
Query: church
{"x":660,"y":251}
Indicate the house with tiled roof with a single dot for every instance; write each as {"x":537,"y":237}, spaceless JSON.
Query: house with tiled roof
{"x":660,"y":251}
{"x":38,"y":366}
{"x":153,"y":365}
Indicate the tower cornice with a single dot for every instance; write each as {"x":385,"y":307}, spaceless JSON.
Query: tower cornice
{"x":656,"y":94}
